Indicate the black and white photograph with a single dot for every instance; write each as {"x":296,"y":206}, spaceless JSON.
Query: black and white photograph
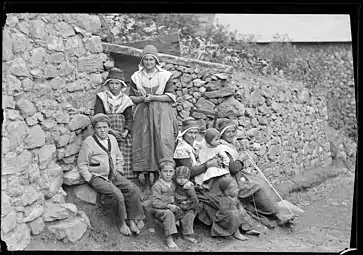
{"x":166,"y":132}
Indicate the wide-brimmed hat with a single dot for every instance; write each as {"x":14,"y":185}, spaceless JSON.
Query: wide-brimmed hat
{"x":182,"y":171}
{"x":150,"y":50}
{"x":224,"y":124}
{"x":100,"y":117}
{"x":115,"y":74}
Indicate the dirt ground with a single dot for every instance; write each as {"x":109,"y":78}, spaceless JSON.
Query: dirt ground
{"x":324,"y":227}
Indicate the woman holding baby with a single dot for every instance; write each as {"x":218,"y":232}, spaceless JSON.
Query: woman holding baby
{"x":251,"y":190}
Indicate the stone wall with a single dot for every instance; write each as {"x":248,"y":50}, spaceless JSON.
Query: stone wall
{"x":52,"y":64}
{"x":280,"y":124}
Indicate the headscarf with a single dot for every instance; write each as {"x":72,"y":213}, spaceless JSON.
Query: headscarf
{"x":99,"y":117}
{"x":224,"y":124}
{"x":187,"y":124}
{"x":150,"y":50}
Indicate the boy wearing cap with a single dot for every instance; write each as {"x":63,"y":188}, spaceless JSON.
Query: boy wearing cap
{"x":118,"y":107}
{"x":100,"y":163}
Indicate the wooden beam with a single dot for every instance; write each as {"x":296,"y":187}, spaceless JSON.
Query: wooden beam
{"x":127,"y":50}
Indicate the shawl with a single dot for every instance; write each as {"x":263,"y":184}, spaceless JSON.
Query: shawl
{"x":114,"y":104}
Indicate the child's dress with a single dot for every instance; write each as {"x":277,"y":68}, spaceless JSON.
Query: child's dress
{"x":230,"y":217}
{"x":206,"y":153}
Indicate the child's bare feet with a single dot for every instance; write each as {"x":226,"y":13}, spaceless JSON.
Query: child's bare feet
{"x":133,"y":227}
{"x":124,"y":229}
{"x":140,"y":224}
{"x":190,"y":239}
{"x":239,"y":236}
{"x":170,"y":242}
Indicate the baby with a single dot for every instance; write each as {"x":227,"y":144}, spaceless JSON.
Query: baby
{"x":231,"y":216}
{"x":209,"y":151}
{"x":186,"y":199}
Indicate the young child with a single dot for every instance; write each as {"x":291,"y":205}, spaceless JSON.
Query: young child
{"x":186,"y":199}
{"x":231,"y":215}
{"x":209,"y":151}
{"x":163,"y":202}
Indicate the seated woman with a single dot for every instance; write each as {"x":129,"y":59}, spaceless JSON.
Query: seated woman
{"x":253,"y":191}
{"x":187,"y":152}
{"x":100,"y":163}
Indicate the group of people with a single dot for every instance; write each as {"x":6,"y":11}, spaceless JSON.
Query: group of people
{"x":138,"y":134}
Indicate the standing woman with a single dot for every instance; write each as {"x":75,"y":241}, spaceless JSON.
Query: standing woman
{"x":118,"y":107}
{"x":155,"y":127}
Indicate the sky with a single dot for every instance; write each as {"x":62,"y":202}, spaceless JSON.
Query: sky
{"x":299,"y":27}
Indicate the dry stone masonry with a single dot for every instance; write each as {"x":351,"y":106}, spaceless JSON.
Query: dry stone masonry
{"x":54,"y":64}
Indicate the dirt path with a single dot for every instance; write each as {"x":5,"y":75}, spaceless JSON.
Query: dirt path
{"x":324,"y":227}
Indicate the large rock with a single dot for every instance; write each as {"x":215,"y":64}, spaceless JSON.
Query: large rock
{"x":37,"y":29}
{"x":24,"y":27}
{"x":6,"y":206}
{"x":74,"y":147}
{"x":54,"y":212}
{"x":46,"y":155}
{"x":73,"y":177}
{"x":62,"y":141}
{"x":66,"y":68}
{"x":36,"y":212}
{"x":94,"y":45}
{"x":223,"y":92}
{"x":56,"y":58}
{"x":14,"y":163}
{"x":70,"y":207}
{"x":64,"y":29}
{"x":204,"y":104}
{"x":19,"y":68}
{"x":20,"y":42}
{"x":17,"y":131}
{"x":74,"y":46}
{"x":79,"y":121}
{"x":91,"y":23}
{"x":36,"y":137}
{"x":27,"y":84}
{"x":26,"y":107}
{"x":38,"y":55}
{"x":55,"y":43}
{"x":15,"y":186}
{"x":213,"y":85}
{"x":231,"y":108}
{"x":30,"y":195}
{"x":18,"y":239}
{"x":86,"y":193}
{"x":37,"y":226}
{"x":7,"y":45}
{"x":8,"y":222}
{"x":51,"y":180}
{"x":77,"y":85}
{"x":51,"y":72}
{"x":89,"y":64}
{"x":12,"y":84}
{"x":73,"y":229}
{"x":8,"y":102}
